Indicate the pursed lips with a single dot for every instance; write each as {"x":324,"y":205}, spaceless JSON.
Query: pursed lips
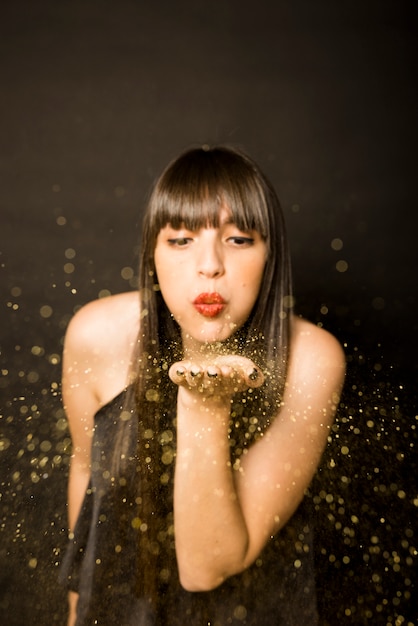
{"x":209,"y":304}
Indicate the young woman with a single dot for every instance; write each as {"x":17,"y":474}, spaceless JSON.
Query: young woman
{"x":199,"y":408}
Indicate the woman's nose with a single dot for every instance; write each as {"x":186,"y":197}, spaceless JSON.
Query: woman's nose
{"x":210,"y":262}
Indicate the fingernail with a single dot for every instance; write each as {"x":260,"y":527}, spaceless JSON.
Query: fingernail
{"x":180,"y":372}
{"x":194,"y":372}
{"x":211,"y":373}
{"x":253,"y":375}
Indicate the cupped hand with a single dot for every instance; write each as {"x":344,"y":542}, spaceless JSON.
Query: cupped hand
{"x":223,"y":375}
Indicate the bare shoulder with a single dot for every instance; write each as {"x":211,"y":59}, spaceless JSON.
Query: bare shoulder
{"x":315,"y":351}
{"x":106,"y":320}
{"x":99,"y":346}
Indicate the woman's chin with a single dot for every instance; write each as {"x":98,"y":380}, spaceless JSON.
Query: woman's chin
{"x":209,"y":335}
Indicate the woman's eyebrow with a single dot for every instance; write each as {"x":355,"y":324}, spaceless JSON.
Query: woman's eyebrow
{"x":227,"y":219}
{"x":230,"y":221}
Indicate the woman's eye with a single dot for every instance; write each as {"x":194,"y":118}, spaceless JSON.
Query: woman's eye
{"x":179,"y":241}
{"x":241,"y":241}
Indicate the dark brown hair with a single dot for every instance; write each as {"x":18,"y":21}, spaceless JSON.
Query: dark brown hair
{"x":190,"y":192}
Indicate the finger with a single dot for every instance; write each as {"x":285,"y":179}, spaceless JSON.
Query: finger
{"x":227,"y":371}
{"x":194,"y":375}
{"x":177,"y":372}
{"x":212,"y":372}
{"x":254,"y":377}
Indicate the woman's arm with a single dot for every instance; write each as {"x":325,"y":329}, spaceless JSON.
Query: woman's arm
{"x":223,"y":517}
{"x":81,"y":402}
{"x":97,"y":352}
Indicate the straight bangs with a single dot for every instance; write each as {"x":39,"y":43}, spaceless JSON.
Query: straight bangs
{"x":194,"y":188}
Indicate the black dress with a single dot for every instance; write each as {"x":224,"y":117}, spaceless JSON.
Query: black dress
{"x":102,"y":559}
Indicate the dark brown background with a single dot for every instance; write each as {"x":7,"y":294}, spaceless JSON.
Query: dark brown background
{"x":96,"y":97}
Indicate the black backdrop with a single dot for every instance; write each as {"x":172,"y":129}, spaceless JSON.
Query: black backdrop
{"x":96,"y":97}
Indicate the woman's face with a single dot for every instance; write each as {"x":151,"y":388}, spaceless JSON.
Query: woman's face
{"x":209,"y":278}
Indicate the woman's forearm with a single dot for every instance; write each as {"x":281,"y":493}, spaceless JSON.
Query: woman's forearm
{"x":77,"y":485}
{"x":211,"y":535}
{"x":72,"y":608}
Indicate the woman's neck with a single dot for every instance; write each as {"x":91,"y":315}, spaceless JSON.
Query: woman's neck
{"x":194,"y":349}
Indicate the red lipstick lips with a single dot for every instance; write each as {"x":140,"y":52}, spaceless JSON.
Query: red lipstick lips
{"x":209,"y":304}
